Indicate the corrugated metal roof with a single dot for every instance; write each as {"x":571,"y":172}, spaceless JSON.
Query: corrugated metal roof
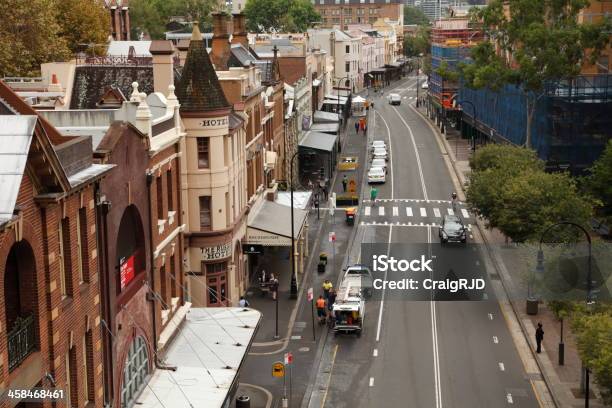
{"x":141,"y":48}
{"x":16,"y":132}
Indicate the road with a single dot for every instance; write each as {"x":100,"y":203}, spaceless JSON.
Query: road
{"x":422,"y":353}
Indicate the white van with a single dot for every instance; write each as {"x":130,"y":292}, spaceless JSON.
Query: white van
{"x":394,"y":99}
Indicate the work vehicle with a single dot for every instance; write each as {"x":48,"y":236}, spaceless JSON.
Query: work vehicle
{"x":348,"y":311}
{"x":359,"y":275}
{"x":379,"y":153}
{"x":452,"y":230}
{"x":394,"y":99}
{"x":425,"y":85}
{"x":376,"y":175}
{"x":350,"y":212}
{"x":379,"y":163}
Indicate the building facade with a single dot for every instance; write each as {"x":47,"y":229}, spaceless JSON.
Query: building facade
{"x":345,"y":51}
{"x":119,"y":12}
{"x":341,"y":13}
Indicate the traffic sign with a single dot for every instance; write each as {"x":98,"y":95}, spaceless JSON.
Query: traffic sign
{"x":278,"y":369}
{"x":332,"y":236}
{"x":310,"y":294}
{"x":288,"y":358}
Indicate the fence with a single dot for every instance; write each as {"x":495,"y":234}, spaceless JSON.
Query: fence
{"x":21,"y":341}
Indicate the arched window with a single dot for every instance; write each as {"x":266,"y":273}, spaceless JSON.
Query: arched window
{"x":135,"y":371}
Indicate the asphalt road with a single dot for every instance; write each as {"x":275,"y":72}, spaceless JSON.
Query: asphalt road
{"x":421,"y":353}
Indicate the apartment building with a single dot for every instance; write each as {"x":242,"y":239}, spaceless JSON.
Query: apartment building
{"x":341,"y":13}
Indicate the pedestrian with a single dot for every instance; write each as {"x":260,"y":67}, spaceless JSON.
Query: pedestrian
{"x":243,"y":302}
{"x":344,"y":183}
{"x":325,"y":191}
{"x":327,"y":286}
{"x":321,"y":309}
{"x":356,"y":127}
{"x":274,"y":288}
{"x":331,"y":299}
{"x":539,"y":335}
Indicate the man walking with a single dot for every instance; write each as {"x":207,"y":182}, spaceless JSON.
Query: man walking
{"x":539,"y":335}
{"x":356,"y":127}
{"x":344,"y":183}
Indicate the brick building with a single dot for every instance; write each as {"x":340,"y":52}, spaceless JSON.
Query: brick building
{"x":341,"y":13}
{"x":119,"y":13}
{"x":50,"y":308}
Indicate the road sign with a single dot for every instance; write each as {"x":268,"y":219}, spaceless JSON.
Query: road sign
{"x":288,"y":358}
{"x":332,"y":236}
{"x":310,"y":294}
{"x":278,"y":369}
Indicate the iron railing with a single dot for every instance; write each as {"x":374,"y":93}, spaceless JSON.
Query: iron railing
{"x":21,"y":341}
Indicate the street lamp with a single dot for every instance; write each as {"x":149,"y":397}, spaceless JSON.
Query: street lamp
{"x":589,"y":295}
{"x":348,"y":81}
{"x":418,"y":77}
{"x":475,"y":120}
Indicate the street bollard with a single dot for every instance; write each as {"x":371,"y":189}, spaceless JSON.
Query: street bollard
{"x":243,"y":401}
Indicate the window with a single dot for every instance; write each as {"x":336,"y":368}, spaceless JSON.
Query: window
{"x":216,"y":276}
{"x":205,"y":218}
{"x":72,"y":374}
{"x":163,"y":279}
{"x":88,"y":383}
{"x":68,"y":381}
{"x":82,"y":245}
{"x":160,"y":198}
{"x":348,"y":49}
{"x":65,"y":257}
{"x":169,"y":190}
{"x":347,"y":67}
{"x":203,"y":153}
{"x":135,"y":371}
{"x":173,"y":277}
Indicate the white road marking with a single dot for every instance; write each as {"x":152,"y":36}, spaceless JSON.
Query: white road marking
{"x":502,"y":367}
{"x":371,"y":381}
{"x":436,"y":212}
{"x":382,"y":298}
{"x":495,"y":340}
{"x":469,"y":227}
{"x":490,"y":316}
{"x":450,"y":211}
{"x":375,"y":353}
{"x":409,"y":211}
{"x":434,"y":335}
{"x":477,"y":263}
{"x":465,"y":213}
{"x":367,"y":211}
{"x":395,"y":211}
{"x":381,"y":211}
{"x":423,"y":212}
{"x":509,"y":398}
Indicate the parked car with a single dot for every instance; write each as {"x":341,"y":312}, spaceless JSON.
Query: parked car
{"x":379,"y":163}
{"x":452,"y":230}
{"x":394,"y":99}
{"x":379,"y":144}
{"x":379,"y":153}
{"x":425,"y":85}
{"x":376,"y":175}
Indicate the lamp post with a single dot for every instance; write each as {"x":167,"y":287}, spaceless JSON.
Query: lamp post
{"x":475,"y":120}
{"x":589,"y":295}
{"x":418,"y":77}
{"x":348,"y":80}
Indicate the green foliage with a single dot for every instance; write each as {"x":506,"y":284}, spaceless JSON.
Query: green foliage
{"x":151,"y":16}
{"x":414,"y":15}
{"x":446,"y":73}
{"x":599,"y":182}
{"x":560,"y":308}
{"x":494,"y":156}
{"x":30,"y":35}
{"x":84,"y":24}
{"x":420,"y":43}
{"x":280,"y":15}
{"x":594,"y":340}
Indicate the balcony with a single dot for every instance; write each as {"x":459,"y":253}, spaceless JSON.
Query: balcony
{"x":21,"y":341}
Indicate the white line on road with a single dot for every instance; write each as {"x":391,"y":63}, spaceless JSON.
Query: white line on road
{"x":409,"y":211}
{"x":465,"y":213}
{"x":416,"y":152}
{"x":423,"y":212}
{"x":381,"y":211}
{"x":367,"y":211}
{"x":382,"y":298}
{"x":495,"y":340}
{"x":434,"y":335}
{"x":502,"y":367}
{"x":371,"y":381}
{"x":450,"y":211}
{"x":436,"y":212}
{"x":490,"y":316}
{"x":509,"y":398}
{"x":395,"y":211}
{"x":375,"y":353}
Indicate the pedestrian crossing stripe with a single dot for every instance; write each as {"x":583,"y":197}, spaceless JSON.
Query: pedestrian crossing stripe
{"x":411,"y":200}
{"x":395,"y":211}
{"x":465,"y":213}
{"x":381,"y":211}
{"x":401,"y":224}
{"x":367,"y":211}
{"x":451,"y":212}
{"x":423,"y":212}
{"x":409,"y":211}
{"x":437,"y":212}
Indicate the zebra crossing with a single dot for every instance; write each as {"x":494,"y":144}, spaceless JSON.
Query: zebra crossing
{"x":412,"y":212}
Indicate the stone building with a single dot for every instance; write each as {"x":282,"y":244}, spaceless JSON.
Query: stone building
{"x":339,"y":14}
{"x":50,"y":308}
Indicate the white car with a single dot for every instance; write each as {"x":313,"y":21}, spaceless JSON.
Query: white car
{"x":379,"y":163}
{"x":394,"y":99}
{"x":376,"y":175}
{"x":379,"y":144}
{"x":425,"y":85}
{"x":379,"y":153}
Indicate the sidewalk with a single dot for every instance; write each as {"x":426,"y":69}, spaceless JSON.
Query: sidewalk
{"x":562,"y":381}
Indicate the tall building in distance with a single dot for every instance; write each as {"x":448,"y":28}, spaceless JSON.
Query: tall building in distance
{"x":435,"y":9}
{"x":341,"y":13}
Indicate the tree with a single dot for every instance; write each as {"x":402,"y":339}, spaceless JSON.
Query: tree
{"x":494,"y":156}
{"x":599,"y":183}
{"x":420,"y":43}
{"x":84,"y":24}
{"x":532,"y":44}
{"x":280,"y":15}
{"x":414,"y":15}
{"x":534,"y":200}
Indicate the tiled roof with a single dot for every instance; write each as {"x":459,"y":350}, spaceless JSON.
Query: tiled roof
{"x":92,"y":81}
{"x":241,"y":55}
{"x":199,"y":89}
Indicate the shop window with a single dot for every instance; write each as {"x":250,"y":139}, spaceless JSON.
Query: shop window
{"x":205,"y":215}
{"x":135,"y":372}
{"x":203,"y":153}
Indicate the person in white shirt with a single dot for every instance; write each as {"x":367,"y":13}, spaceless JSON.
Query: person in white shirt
{"x":243,"y":302}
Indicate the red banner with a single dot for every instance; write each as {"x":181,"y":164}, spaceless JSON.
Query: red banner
{"x":127,"y":271}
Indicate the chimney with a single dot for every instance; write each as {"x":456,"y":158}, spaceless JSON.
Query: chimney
{"x":239,"y":34}
{"x":220,"y":41}
{"x":163,"y":65}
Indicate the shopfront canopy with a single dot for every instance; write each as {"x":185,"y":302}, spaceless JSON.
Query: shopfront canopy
{"x":318,"y":141}
{"x":325,"y":117}
{"x":270,"y":224}
{"x":330,"y":128}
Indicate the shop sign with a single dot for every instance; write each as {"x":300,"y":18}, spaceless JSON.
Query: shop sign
{"x":215,"y":252}
{"x":214,"y":123}
{"x":126,"y":270}
{"x":258,"y":237}
{"x":252,"y":249}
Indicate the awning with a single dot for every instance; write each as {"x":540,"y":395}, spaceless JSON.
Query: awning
{"x":358,"y":99}
{"x":325,"y":117}
{"x":270,"y":224}
{"x":378,"y":71}
{"x":331,"y":128}
{"x":300,"y":199}
{"x":318,"y":141}
{"x":343,"y":99}
{"x":207,"y":345}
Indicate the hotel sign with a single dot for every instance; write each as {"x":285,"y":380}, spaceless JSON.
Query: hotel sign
{"x":214,"y":123}
{"x":259,"y":237}
{"x":221,"y":251}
